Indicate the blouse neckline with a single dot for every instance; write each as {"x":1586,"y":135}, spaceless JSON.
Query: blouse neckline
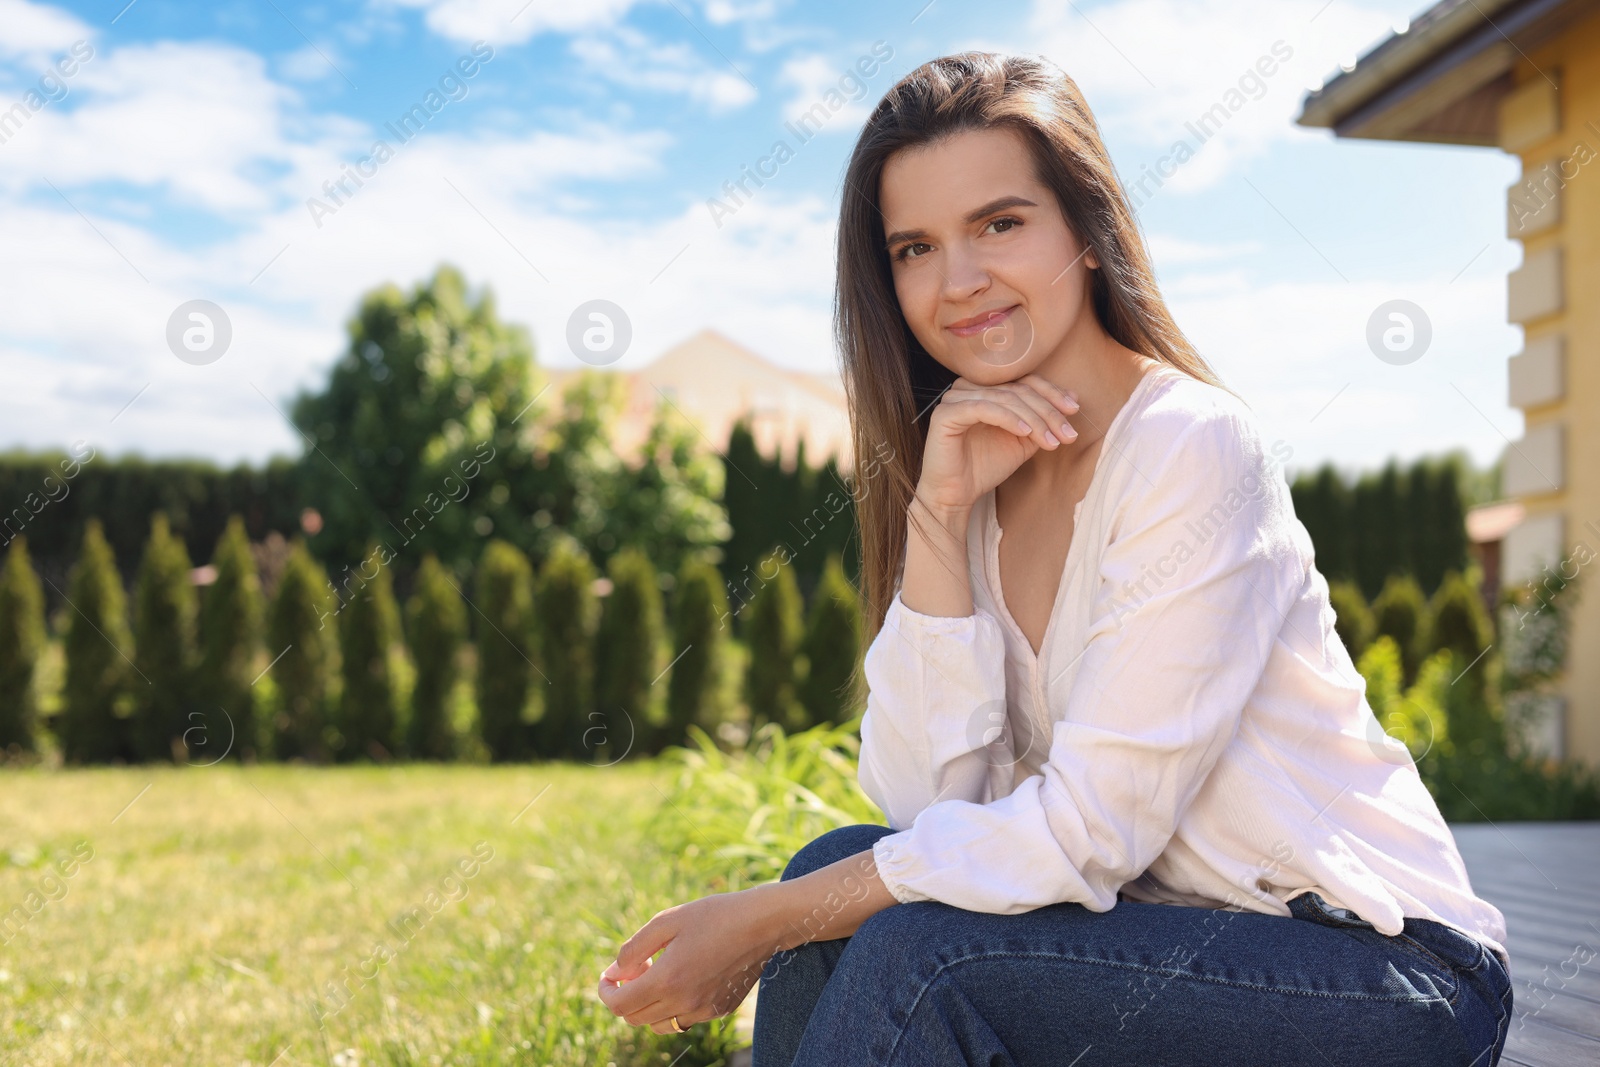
{"x":1135,"y":401}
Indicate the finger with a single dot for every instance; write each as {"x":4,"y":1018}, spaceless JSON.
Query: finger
{"x":634,"y":955}
{"x":1065,"y":399}
{"x":1048,"y":411}
{"x":634,"y":1007}
{"x":1008,"y":412}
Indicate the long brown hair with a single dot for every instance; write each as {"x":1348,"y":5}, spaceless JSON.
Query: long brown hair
{"x":890,"y":382}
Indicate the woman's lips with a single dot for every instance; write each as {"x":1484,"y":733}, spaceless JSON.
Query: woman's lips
{"x":993,"y":319}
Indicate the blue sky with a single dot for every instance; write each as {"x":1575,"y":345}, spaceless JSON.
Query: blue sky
{"x":577,"y":161}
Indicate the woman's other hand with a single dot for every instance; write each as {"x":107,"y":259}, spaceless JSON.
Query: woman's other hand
{"x":712,"y":951}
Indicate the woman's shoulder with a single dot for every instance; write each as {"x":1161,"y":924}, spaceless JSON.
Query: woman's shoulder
{"x":1190,"y":422}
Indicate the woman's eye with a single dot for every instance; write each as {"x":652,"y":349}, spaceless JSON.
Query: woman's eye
{"x":1009,"y":219}
{"x":905,"y":250}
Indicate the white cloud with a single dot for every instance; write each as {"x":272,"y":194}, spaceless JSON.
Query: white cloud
{"x":515,"y":21}
{"x":817,"y":81}
{"x":1297,"y":353}
{"x":1149,"y":67}
{"x":200,"y":121}
{"x":35,"y":34}
{"x":627,"y":57}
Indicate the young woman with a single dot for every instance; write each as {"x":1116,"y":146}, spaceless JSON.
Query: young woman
{"x":1139,"y":809}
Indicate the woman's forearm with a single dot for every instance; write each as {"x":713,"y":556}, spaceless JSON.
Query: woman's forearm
{"x":830,"y":902}
{"x":936,"y":581}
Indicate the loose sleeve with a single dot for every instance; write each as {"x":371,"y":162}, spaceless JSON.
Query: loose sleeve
{"x":1194,"y":584}
{"x":933,"y":682}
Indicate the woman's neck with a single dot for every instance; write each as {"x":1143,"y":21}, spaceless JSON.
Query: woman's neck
{"x":1103,"y":374}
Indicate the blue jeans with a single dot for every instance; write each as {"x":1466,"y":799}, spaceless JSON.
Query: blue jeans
{"x":1143,"y":984}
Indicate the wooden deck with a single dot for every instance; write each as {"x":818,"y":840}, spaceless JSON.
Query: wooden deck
{"x":1545,"y":877}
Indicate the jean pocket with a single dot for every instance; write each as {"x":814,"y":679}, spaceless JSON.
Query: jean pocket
{"x":1447,"y":975}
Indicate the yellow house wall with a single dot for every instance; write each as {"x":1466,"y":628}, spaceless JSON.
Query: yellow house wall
{"x":1576,"y":55}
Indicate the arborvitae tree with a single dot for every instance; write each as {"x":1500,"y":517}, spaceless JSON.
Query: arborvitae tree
{"x":699,"y":614}
{"x":565,"y":628}
{"x":1461,"y":625}
{"x":774,"y":632}
{"x":1352,"y":618}
{"x":1450,"y":517}
{"x":1383,"y":545}
{"x":1322,"y":504}
{"x":92,"y":725}
{"x":230,"y":643}
{"x":1401,"y":612}
{"x":832,"y":649}
{"x":165,"y":609}
{"x":304,"y":628}
{"x":436,"y":625}
{"x":504,"y":596}
{"x":369,"y":630}
{"x":628,"y":649}
{"x":22,"y":638}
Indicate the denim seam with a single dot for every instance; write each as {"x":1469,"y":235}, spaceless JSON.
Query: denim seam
{"x":1068,"y":957}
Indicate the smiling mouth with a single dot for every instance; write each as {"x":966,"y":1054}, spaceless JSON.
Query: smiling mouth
{"x":989,"y":321}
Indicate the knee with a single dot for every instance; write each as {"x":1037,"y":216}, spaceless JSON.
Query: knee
{"x":832,"y":847}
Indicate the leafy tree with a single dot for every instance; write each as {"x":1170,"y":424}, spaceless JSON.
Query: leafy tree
{"x":97,"y":697}
{"x":1401,"y":612}
{"x":1352,"y":618}
{"x":774,"y":632}
{"x":565,"y":628}
{"x":504,"y":596}
{"x":700,"y":608}
{"x":628,"y":650}
{"x":304,"y":629}
{"x":436,"y":622}
{"x":22,"y":638}
{"x":230,"y":643}
{"x":369,"y":630}
{"x":832,"y":649}
{"x":165,"y":610}
{"x":414,"y":425}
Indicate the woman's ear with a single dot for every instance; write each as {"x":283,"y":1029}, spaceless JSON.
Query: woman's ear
{"x":1090,"y":260}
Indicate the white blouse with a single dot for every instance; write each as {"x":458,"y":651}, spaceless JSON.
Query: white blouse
{"x":1192,"y":731}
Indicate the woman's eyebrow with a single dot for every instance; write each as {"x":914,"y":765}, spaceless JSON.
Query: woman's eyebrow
{"x":990,"y":208}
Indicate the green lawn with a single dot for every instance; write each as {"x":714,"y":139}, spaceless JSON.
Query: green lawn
{"x":219,"y":904}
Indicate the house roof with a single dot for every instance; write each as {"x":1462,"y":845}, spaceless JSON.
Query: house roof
{"x":1441,"y":79}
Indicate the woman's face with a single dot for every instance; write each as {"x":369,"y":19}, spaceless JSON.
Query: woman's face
{"x":990,"y":277}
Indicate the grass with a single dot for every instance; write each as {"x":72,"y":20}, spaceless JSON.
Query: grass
{"x":219,"y":904}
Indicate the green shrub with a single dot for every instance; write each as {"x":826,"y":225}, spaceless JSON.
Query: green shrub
{"x":369,"y":631}
{"x":699,"y":640}
{"x":1414,"y":716}
{"x":97,"y":699}
{"x":1401,"y":612}
{"x":303,"y":634}
{"x":165,"y":609}
{"x":230,"y":645}
{"x":1352,"y":618}
{"x":627,"y":655}
{"x":436,"y":625}
{"x":1461,"y":624}
{"x":774,"y":632}
{"x":504,"y":596}
{"x":738,"y":818}
{"x":832,"y":649}
{"x":22,"y":638}
{"x":565,"y":627}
